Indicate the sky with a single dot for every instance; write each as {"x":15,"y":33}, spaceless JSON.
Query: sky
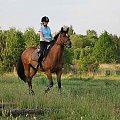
{"x":98,"y":15}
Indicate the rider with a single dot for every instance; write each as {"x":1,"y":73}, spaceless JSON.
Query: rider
{"x":45,"y":38}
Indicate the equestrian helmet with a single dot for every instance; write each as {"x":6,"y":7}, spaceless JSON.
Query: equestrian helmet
{"x":45,"y":19}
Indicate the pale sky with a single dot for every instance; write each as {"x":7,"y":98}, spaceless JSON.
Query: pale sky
{"x":98,"y":15}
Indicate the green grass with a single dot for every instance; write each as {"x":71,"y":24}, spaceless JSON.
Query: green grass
{"x":80,"y":99}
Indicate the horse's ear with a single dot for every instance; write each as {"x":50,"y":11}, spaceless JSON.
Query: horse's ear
{"x":62,"y":29}
{"x":67,"y":30}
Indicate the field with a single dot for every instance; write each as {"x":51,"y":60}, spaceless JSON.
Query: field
{"x":81,"y":98}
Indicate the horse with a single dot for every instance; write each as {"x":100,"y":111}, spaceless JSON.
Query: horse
{"x":52,"y":63}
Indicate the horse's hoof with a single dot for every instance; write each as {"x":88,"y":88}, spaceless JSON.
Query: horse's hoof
{"x":46,"y":91}
{"x":60,"y":90}
{"x":31,"y":92}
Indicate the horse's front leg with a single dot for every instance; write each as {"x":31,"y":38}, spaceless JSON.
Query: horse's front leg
{"x":49,"y":76}
{"x":59,"y":73}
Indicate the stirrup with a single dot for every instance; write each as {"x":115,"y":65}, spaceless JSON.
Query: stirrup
{"x":37,"y":66}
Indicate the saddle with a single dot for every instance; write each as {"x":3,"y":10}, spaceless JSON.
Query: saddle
{"x":36,"y":54}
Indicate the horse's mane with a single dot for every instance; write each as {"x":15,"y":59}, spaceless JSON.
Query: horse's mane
{"x":56,"y":36}
{"x":55,"y":39}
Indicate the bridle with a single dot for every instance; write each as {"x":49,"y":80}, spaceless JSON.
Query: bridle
{"x":62,"y":40}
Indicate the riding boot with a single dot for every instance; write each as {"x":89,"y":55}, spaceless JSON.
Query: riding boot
{"x":37,"y":66}
{"x":39,"y":60}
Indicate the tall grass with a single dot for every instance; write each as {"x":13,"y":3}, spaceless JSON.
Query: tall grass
{"x":80,"y":99}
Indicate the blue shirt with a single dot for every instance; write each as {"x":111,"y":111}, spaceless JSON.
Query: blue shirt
{"x":46,"y":33}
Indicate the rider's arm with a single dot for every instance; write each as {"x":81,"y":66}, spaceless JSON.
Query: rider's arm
{"x":51,"y":36}
{"x":43,"y":38}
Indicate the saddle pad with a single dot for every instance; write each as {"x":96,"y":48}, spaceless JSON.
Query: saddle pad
{"x":35,"y":55}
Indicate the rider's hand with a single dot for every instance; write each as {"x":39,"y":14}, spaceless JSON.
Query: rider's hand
{"x":47,"y":41}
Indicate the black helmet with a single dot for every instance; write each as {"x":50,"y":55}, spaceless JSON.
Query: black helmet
{"x":45,"y":19}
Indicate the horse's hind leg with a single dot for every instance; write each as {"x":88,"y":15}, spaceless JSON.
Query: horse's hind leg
{"x":49,"y":76}
{"x":29,"y":74}
{"x":32,"y":73}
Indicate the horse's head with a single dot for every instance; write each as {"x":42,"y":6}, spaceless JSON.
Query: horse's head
{"x":64,"y":40}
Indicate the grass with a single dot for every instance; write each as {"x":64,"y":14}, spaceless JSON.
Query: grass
{"x":80,"y":99}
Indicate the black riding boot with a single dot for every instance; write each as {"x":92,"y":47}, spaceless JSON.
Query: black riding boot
{"x":39,"y":60}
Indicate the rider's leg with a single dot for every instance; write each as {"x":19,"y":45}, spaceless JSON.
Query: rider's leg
{"x":40,"y":51}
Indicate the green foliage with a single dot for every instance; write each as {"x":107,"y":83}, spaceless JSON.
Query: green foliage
{"x":87,"y":62}
{"x":91,"y":35}
{"x":82,"y":48}
{"x":105,"y":50}
{"x":76,"y":41}
{"x":86,"y":52}
{"x":77,"y":53}
{"x":13,"y":44}
{"x":71,"y":30}
{"x":116,"y":41}
{"x":68,"y":58}
{"x":2,"y":44}
{"x":31,"y":38}
{"x":68,"y":55}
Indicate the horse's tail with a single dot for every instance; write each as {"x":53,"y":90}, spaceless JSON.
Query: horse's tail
{"x":20,"y":70}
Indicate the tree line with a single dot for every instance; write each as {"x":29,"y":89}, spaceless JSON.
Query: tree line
{"x":87,"y":52}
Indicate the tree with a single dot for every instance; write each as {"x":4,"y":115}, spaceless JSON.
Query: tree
{"x":2,"y":44}
{"x":13,"y":45}
{"x":2,"y":47}
{"x":71,"y":30}
{"x":68,"y":57}
{"x":77,"y":52}
{"x":116,"y":41}
{"x":77,"y":41}
{"x":91,"y":35}
{"x":87,"y":62}
{"x":31,"y":38}
{"x":104,"y":49}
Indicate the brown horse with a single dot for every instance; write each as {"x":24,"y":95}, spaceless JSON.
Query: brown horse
{"x":53,"y":63}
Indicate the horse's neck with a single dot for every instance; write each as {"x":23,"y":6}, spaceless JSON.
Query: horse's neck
{"x":59,"y":42}
{"x":59,"y":48}
{"x":56,"y":51}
